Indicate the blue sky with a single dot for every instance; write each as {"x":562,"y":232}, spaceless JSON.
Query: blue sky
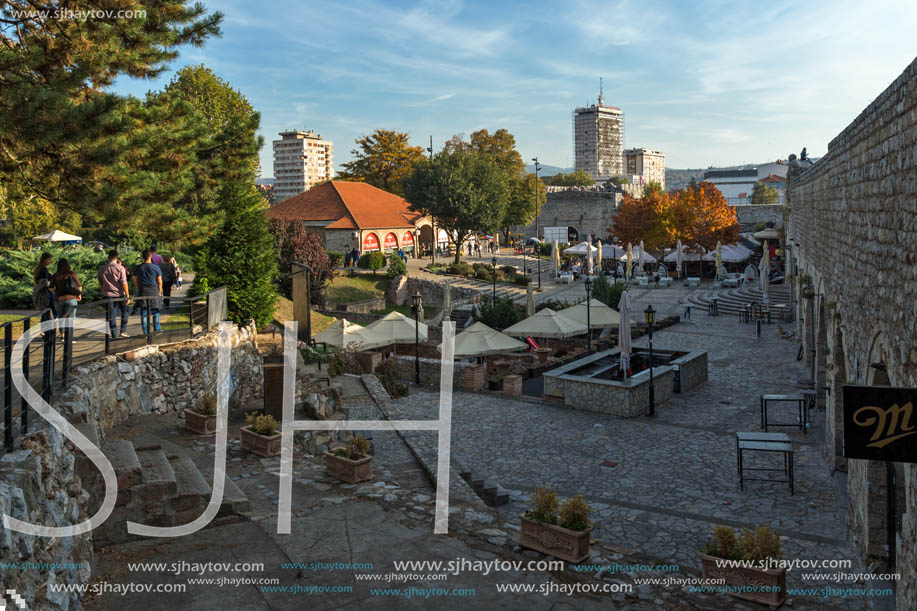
{"x":707,"y":83}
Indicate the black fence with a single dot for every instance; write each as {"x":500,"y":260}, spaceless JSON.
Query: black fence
{"x":175,"y":319}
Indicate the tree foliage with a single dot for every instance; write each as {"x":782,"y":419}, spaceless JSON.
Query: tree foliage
{"x":579,"y":178}
{"x":763,"y":194}
{"x":296,"y":244}
{"x":499,"y":315}
{"x":242,"y":257}
{"x":382,"y":159}
{"x":699,"y":217}
{"x":466,"y":191}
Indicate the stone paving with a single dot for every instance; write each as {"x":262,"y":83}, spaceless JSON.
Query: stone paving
{"x":674,"y":477}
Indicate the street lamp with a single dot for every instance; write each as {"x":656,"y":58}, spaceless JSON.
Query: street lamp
{"x":537,"y":259}
{"x":649,"y":315}
{"x":415,"y":309}
{"x":417,"y":243}
{"x":493,"y":262}
{"x":589,"y":313}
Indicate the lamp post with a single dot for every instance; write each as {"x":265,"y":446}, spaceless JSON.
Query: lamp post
{"x":415,"y":309}
{"x":417,"y":243}
{"x":649,"y":315}
{"x":493,"y":262}
{"x":589,"y":314}
{"x":537,"y":260}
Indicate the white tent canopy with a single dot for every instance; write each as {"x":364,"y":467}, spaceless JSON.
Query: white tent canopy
{"x":647,"y":257}
{"x":583,"y":248}
{"x":686,"y":255}
{"x":481,"y":340}
{"x":57,"y":236}
{"x":396,"y":328}
{"x":600,"y":315}
{"x":732,"y":253}
{"x":546,"y":323}
{"x":767,"y":234}
{"x":345,"y":334}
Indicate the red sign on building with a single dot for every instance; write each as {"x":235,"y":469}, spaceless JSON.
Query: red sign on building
{"x":391,"y":241}
{"x":407,"y":239}
{"x":370,"y":242}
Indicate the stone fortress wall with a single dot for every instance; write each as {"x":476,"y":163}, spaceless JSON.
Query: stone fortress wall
{"x":589,"y":212}
{"x":852,"y":232}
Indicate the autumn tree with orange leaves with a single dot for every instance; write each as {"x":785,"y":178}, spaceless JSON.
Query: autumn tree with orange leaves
{"x":698,"y":217}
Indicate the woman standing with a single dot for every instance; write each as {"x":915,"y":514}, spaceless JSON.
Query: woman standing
{"x":42,"y":295}
{"x":177,"y":272}
{"x":67,"y":289}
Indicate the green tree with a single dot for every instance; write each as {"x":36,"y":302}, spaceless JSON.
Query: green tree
{"x":653,"y":186}
{"x":242,"y":257}
{"x":522,"y":205}
{"x":383,"y":159}
{"x":62,"y":131}
{"x":762,"y":194}
{"x":579,"y":178}
{"x":297,"y":244}
{"x":466,"y":191}
{"x":371,"y":260}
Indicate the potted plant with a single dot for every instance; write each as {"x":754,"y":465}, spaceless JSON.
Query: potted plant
{"x":351,"y":463}
{"x":202,"y":418}
{"x":563,"y":534}
{"x":495,"y":382}
{"x":759,"y":547}
{"x":543,"y":354}
{"x":260,"y":436}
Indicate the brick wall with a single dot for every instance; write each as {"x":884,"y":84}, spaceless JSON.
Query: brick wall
{"x":853,"y":230}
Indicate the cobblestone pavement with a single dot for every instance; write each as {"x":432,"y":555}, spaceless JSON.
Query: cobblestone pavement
{"x":672,"y":478}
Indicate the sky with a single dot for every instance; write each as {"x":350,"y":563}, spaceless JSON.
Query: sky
{"x":711,"y":83}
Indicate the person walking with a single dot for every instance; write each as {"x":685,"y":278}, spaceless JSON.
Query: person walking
{"x":156,"y":258}
{"x":347,"y":254}
{"x":68,"y":291}
{"x":177,"y":272}
{"x":113,"y":283}
{"x":168,"y":278}
{"x":42,"y":293}
{"x":148,"y":285}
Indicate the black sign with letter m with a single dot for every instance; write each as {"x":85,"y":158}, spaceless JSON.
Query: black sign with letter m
{"x":880,"y":423}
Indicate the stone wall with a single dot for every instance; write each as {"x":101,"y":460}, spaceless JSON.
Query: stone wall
{"x":852,"y":231}
{"x":749,"y":216}
{"x":692,"y":370}
{"x":429,"y":370}
{"x":627,"y":399}
{"x":586,"y":211}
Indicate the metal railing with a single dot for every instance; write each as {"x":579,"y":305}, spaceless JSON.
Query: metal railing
{"x":203,"y":312}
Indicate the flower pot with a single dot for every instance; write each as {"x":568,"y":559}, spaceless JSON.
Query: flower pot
{"x":262,"y":445}
{"x":199,"y":423}
{"x":543,"y":354}
{"x":754,"y":578}
{"x":562,"y":543}
{"x":347,"y":470}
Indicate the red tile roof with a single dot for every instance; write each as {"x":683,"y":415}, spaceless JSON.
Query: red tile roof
{"x":773,"y":178}
{"x":347,"y":205}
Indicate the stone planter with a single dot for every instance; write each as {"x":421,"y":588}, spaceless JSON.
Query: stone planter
{"x":262,"y":445}
{"x":350,"y":471}
{"x":543,"y":354}
{"x":737,"y":577}
{"x":199,"y":423}
{"x":562,"y":543}
{"x":494,"y":384}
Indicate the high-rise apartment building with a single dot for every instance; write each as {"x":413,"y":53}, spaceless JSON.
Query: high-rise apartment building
{"x":598,"y":140}
{"x":646,"y":163}
{"x":301,"y":159}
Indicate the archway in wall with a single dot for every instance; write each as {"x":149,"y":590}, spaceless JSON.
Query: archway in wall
{"x":572,"y":235}
{"x":426,"y":238}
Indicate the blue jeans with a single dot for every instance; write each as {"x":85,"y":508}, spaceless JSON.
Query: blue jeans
{"x":113,"y":318}
{"x":65,"y":309}
{"x":154,"y":315}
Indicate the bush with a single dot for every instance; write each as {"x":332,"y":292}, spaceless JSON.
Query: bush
{"x":607,"y":293}
{"x":483,"y":273}
{"x":389,"y":378}
{"x":207,"y":406}
{"x":297,"y":244}
{"x":345,"y":361}
{"x":336,"y":258}
{"x":357,"y":447}
{"x":544,"y":505}
{"x":763,"y":543}
{"x":242,"y":257}
{"x":396,"y":266}
{"x":545,"y":249}
{"x":522,"y":280}
{"x":574,"y":513}
{"x":262,"y":424}
{"x":501,"y":315}
{"x":371,"y":260}
{"x":460,"y":269}
{"x":508,"y":271}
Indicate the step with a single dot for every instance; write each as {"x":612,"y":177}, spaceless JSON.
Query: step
{"x":234,"y":500}
{"x":159,"y":484}
{"x":192,"y":490}
{"x":125,"y":462}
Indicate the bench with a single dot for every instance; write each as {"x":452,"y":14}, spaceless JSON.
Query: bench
{"x":692,"y":281}
{"x":765,"y":442}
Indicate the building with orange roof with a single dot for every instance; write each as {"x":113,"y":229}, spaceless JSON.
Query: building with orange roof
{"x":357,"y":215}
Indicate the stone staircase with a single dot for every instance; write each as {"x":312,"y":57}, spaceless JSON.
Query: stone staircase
{"x":731,"y":301}
{"x":487,"y":488}
{"x":154,"y":488}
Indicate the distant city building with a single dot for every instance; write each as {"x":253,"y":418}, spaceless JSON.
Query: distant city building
{"x":301,"y":160}
{"x":598,"y":140}
{"x":646,"y":163}
{"x":737,"y":185}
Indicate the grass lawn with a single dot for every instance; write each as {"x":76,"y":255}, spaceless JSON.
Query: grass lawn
{"x":175,"y":321}
{"x":348,"y":289}
{"x":17,"y":328}
{"x":283,"y":311}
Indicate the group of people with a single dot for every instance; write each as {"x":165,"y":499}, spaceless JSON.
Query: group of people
{"x":351,"y":256}
{"x":153,"y":279}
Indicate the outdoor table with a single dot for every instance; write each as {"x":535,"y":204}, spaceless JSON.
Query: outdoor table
{"x":665,"y":282}
{"x":765,"y":442}
{"x":733,"y":282}
{"x":692,"y":281}
{"x":802,"y":405}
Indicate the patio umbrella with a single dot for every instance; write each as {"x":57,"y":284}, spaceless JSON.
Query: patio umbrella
{"x":600,"y":315}
{"x":546,"y":323}
{"x":555,"y":256}
{"x":481,"y":340}
{"x":343,"y":334}
{"x":731,"y":253}
{"x":766,"y":259}
{"x":598,"y":256}
{"x":589,"y":268}
{"x":629,"y":269}
{"x":624,"y":341}
{"x":530,"y":300}
{"x":396,"y":328}
{"x":719,"y":260}
{"x":679,"y":257}
{"x":767,"y":234}
{"x":765,"y":281}
{"x":447,"y":300}
{"x":642,"y":259}
{"x":583,"y":248}
{"x":57,"y":236}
